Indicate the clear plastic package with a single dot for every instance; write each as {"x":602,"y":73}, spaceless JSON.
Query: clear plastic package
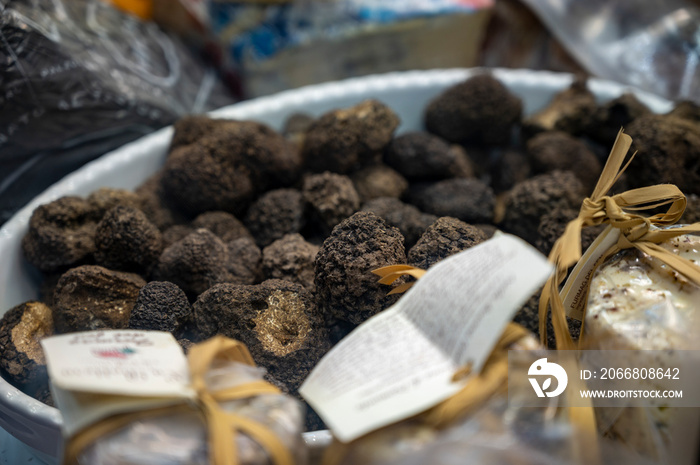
{"x":652,"y":44}
{"x":181,"y":438}
{"x":637,"y":302}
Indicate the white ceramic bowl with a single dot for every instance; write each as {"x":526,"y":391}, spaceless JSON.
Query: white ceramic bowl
{"x":407,"y":93}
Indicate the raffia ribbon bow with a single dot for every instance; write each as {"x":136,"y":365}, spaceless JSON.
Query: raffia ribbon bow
{"x":636,"y":231}
{"x":221,"y":425}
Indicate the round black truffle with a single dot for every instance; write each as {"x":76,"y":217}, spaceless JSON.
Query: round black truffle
{"x":345,"y":140}
{"x":469,"y":200}
{"x":411,"y":222}
{"x":194,"y":263}
{"x":421,"y":156}
{"x":274,"y":214}
{"x":378,"y":181}
{"x":668,"y":152}
{"x":127,"y":241}
{"x":61,"y":234}
{"x":226,"y":226}
{"x":161,"y":306}
{"x":557,"y":150}
{"x":290,"y":258}
{"x":478,"y":110}
{"x":346,"y":289}
{"x":244,"y":261}
{"x":447,"y":236}
{"x":529,"y":200}
{"x":332,"y":198}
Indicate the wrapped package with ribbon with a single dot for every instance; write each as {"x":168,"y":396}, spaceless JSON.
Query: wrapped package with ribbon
{"x":637,"y":288}
{"x":131,"y":397}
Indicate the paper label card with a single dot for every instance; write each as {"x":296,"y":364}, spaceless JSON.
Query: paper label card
{"x":401,"y":361}
{"x":122,"y":362}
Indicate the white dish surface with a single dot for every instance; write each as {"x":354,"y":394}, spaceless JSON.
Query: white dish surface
{"x":407,"y":93}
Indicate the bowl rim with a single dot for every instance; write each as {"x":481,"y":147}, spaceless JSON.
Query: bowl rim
{"x":31,"y":413}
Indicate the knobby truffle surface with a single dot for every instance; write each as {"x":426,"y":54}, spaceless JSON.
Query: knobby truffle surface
{"x":528,"y":201}
{"x":469,"y":200}
{"x":346,"y":289}
{"x":21,"y":356}
{"x":478,"y":110}
{"x":421,"y":156}
{"x":276,"y":213}
{"x":332,"y":198}
{"x":378,"y":181}
{"x":161,"y":306}
{"x":346,"y":139}
{"x":126,"y":240}
{"x":194,"y":263}
{"x":557,"y":150}
{"x":277,"y":321}
{"x":446,"y":237}
{"x":92,"y":297}
{"x":411,"y":222}
{"x":290,"y":258}
{"x":61,"y":234}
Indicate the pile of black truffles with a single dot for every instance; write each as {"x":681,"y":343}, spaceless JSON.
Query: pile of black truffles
{"x":271,"y":237}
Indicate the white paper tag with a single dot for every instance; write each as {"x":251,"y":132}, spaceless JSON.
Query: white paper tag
{"x":573,"y":294}
{"x":124,"y":362}
{"x":96,"y":374}
{"x":401,"y":362}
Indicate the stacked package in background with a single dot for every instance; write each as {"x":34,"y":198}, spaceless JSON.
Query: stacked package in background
{"x":274,"y":46}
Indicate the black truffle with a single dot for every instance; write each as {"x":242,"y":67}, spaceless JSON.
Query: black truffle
{"x":421,"y":156}
{"x":106,"y":198}
{"x":227,"y":168}
{"x":447,"y":236}
{"x":191,"y":128}
{"x":332,"y":198}
{"x":276,"y":320}
{"x":686,"y":109}
{"x":692,"y":210}
{"x":127,"y":241}
{"x":21,"y":356}
{"x":346,"y":289}
{"x":274,"y":214}
{"x":92,"y":297}
{"x":61,"y":234}
{"x":469,"y":200}
{"x":345,"y":140}
{"x":226,"y":226}
{"x":557,"y":150}
{"x":411,"y":222}
{"x":571,"y":111}
{"x":478,"y":110}
{"x":244,"y":261}
{"x":553,"y":224}
{"x":161,"y":306}
{"x":378,"y":181}
{"x":529,"y":200}
{"x":194,"y":263}
{"x":509,"y":168}
{"x":614,"y":115}
{"x":155,"y":204}
{"x":668,"y":152}
{"x":290,"y":258}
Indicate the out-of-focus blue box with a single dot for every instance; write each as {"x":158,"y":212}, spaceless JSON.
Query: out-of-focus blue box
{"x":273,"y":46}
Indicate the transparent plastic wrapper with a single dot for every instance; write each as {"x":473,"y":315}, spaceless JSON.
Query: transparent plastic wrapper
{"x":499,"y":430}
{"x":181,"y":438}
{"x":652,"y":45}
{"x":401,"y":441}
{"x":637,"y":302}
{"x":80,"y":78}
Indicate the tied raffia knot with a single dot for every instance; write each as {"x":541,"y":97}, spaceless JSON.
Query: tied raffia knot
{"x":622,"y":212}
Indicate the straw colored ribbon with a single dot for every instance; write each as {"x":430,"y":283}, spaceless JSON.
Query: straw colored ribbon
{"x":221,"y":425}
{"x":619,"y":211}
